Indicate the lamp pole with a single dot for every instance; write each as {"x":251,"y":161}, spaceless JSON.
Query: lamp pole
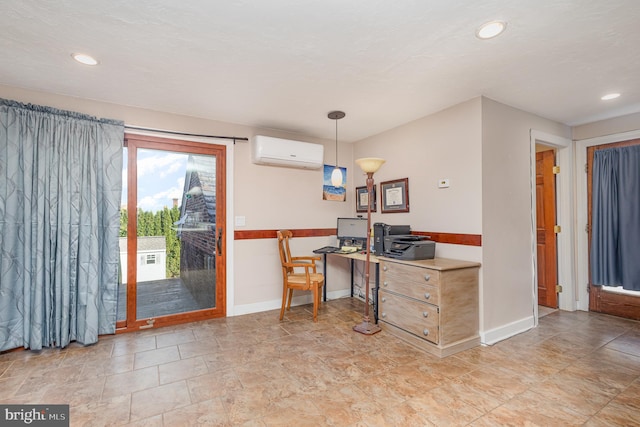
{"x":370,"y":166}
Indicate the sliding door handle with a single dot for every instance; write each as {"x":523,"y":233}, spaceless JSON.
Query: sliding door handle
{"x":219,"y":241}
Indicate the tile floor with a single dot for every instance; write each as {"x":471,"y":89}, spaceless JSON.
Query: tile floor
{"x":576,"y":368}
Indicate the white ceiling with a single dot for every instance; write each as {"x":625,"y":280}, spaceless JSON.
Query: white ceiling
{"x":285,"y":64}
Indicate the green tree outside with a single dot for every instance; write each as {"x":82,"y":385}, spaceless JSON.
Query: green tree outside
{"x":158,"y":223}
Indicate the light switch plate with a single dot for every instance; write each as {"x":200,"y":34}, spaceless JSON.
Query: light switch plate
{"x":240,"y":221}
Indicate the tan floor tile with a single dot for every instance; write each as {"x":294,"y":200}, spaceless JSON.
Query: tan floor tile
{"x":262,"y":373}
{"x":75,"y":394}
{"x":575,"y":392}
{"x":144,"y":359}
{"x":9,"y":387}
{"x":530,"y":409}
{"x":630,"y":397}
{"x":60,"y":376}
{"x":615,"y":414}
{"x":344,"y":405}
{"x":207,"y":413}
{"x":501,"y":384}
{"x":4,"y":366}
{"x":128,"y":382}
{"x":213,"y":385}
{"x":400,"y":415}
{"x":442,"y":407}
{"x":197,"y":348}
{"x":615,"y":357}
{"x":109,"y":412}
{"x":294,"y":410}
{"x":157,"y":400}
{"x":471,"y":394}
{"x":182,"y":369}
{"x":105,"y":367}
{"x":155,"y":421}
{"x":175,"y":338}
{"x":256,"y":371}
{"x":133,"y":343}
{"x":246,"y":405}
{"x":627,"y":343}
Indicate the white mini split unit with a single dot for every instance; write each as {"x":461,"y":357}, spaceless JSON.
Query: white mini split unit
{"x":266,"y":150}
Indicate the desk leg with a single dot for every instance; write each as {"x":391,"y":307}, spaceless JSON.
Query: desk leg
{"x":324,"y":272}
{"x":375,"y":293}
{"x":352,"y":261}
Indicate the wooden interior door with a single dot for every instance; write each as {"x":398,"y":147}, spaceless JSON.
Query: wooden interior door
{"x":604,"y":299}
{"x":545,"y":231}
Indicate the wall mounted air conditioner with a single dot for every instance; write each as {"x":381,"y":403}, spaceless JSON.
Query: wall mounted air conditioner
{"x":266,"y":150}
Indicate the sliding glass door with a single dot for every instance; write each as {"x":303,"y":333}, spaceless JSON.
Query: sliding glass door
{"x":172,"y":258}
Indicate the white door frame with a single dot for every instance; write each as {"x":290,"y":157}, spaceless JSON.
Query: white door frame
{"x":582,"y":212}
{"x":564,"y":218}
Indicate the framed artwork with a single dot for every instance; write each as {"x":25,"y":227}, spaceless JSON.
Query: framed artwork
{"x":362,"y":198}
{"x":395,"y":195}
{"x":334,"y":191}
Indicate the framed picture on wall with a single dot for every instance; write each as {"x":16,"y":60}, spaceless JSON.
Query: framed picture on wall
{"x":362,"y":198}
{"x":395,"y":195}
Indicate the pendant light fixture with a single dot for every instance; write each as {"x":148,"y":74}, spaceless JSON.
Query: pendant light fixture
{"x":336,"y":175}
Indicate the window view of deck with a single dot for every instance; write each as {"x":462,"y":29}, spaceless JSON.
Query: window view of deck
{"x":175,"y":235}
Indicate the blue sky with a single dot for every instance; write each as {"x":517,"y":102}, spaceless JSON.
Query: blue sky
{"x":160,"y":178}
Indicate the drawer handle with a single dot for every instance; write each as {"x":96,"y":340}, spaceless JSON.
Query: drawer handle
{"x":427,"y":295}
{"x":385,"y":283}
{"x":425,"y":332}
{"x":384,"y":299}
{"x":384,"y":314}
{"x":425,"y":314}
{"x":427,"y":277}
{"x":384,"y":268}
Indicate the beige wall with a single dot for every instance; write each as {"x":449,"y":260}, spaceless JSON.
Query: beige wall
{"x":443,"y":145}
{"x":483,"y":148}
{"x":507,"y":233}
{"x":628,"y":123}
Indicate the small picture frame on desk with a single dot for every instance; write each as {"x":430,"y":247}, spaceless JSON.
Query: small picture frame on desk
{"x":395,"y":195}
{"x":362,"y":197}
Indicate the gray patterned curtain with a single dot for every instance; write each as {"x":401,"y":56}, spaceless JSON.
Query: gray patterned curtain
{"x":60,"y":185}
{"x":615,"y":211}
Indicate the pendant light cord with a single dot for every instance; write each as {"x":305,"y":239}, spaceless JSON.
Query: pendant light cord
{"x":336,"y":143}
{"x":336,"y":115}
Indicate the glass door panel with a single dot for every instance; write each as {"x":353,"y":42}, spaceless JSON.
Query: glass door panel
{"x":177,"y":246}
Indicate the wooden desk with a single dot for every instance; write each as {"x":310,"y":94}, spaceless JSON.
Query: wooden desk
{"x":353,"y":257}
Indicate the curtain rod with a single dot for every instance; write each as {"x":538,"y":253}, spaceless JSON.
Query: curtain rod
{"x":234,"y":138}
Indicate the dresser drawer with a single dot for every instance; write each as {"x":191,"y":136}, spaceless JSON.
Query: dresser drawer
{"x":415,"y":282}
{"x":415,"y":317}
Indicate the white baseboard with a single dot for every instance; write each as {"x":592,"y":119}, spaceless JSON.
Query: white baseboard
{"x":239,"y":310}
{"x":506,"y":331}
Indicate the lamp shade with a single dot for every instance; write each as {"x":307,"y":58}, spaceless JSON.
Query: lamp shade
{"x":370,"y":164}
{"x":336,"y":177}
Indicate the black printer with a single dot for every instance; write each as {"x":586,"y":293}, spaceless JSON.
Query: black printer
{"x":409,"y":247}
{"x":381,"y":230}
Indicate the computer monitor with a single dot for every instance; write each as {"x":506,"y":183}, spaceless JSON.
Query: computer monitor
{"x":352,"y":231}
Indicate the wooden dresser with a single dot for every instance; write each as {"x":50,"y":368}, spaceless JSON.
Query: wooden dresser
{"x":431,"y":304}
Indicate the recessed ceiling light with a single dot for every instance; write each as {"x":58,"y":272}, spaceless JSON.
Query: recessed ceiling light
{"x":490,"y":29}
{"x":84,"y":59}
{"x":609,"y":96}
